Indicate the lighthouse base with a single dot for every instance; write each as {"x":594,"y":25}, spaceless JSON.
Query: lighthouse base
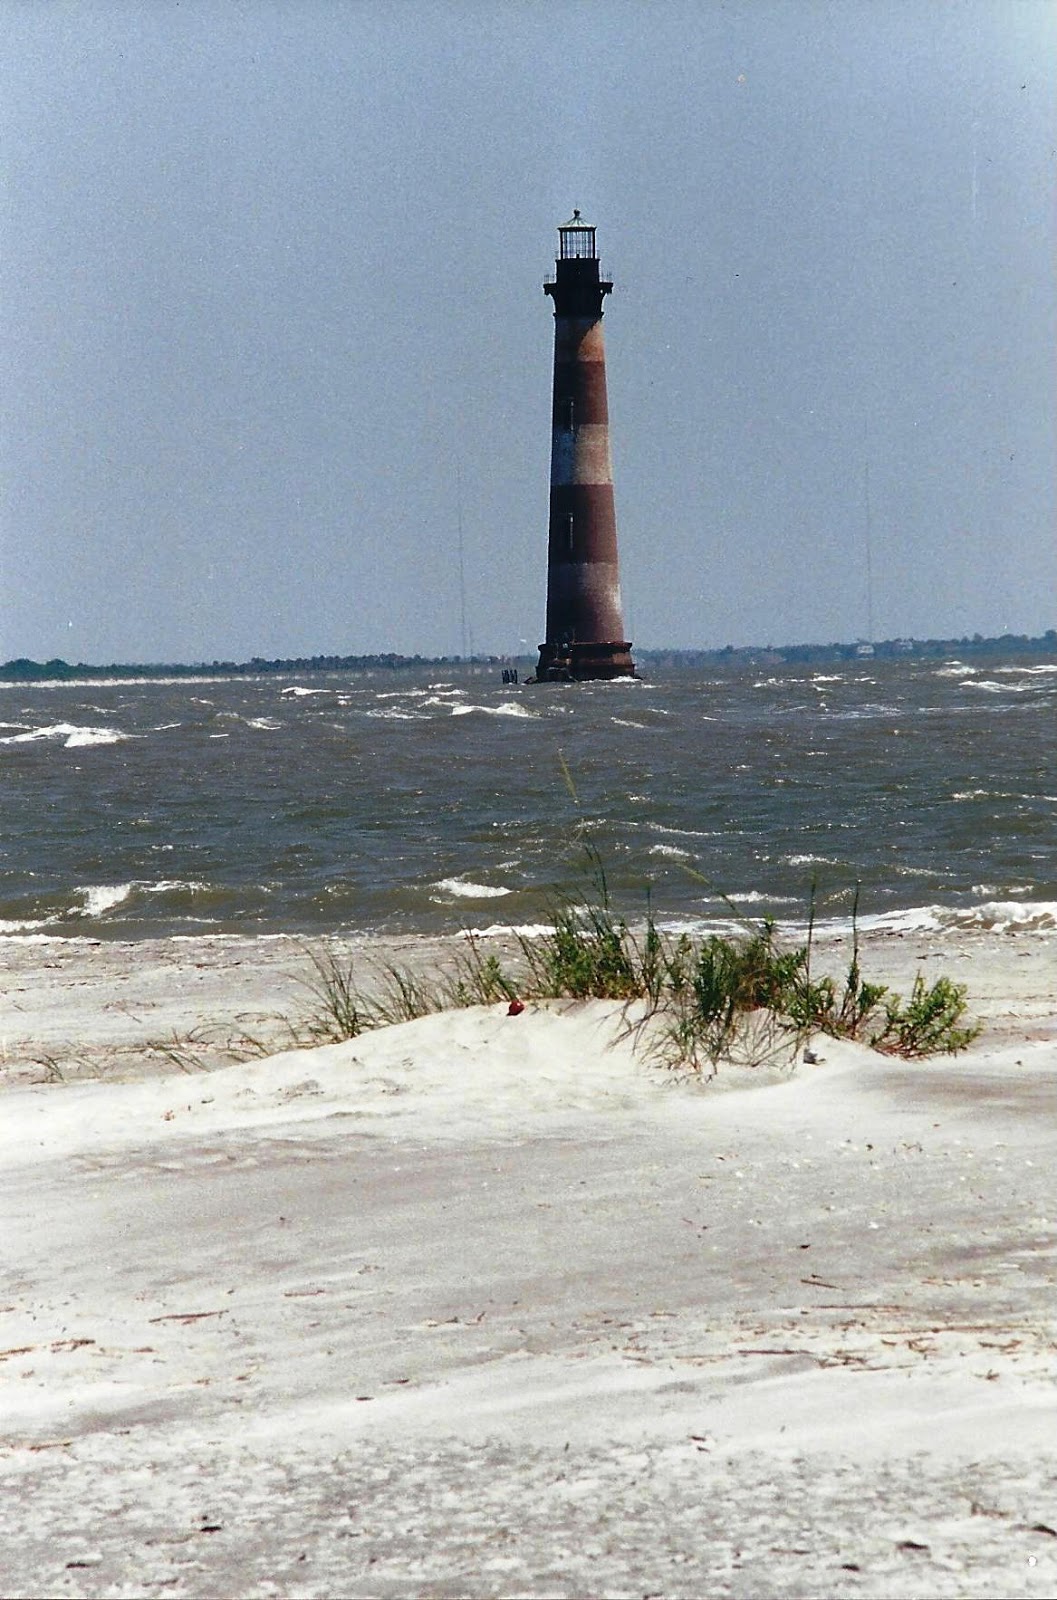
{"x":581,"y":662}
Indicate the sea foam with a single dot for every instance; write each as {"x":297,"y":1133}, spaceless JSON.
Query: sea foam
{"x":988,"y":686}
{"x":991,"y":916}
{"x":72,"y":736}
{"x":101,"y":898}
{"x":464,"y":889}
{"x":508,"y":708}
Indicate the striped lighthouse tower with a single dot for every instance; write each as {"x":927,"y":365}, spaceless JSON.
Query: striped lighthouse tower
{"x":585,"y":625}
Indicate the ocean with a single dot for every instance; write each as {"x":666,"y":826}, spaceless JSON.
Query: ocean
{"x":403,"y":802}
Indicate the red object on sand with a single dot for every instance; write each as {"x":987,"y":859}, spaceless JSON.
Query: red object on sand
{"x":515,"y":1008}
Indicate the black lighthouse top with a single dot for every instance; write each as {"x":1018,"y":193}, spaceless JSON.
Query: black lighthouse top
{"x":577,"y":287}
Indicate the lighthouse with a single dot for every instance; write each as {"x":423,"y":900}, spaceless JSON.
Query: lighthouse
{"x":585,"y":624}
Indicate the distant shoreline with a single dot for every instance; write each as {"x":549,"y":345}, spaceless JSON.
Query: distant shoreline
{"x":24,"y":670}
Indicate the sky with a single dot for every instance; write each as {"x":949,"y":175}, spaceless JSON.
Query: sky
{"x":278,"y":360}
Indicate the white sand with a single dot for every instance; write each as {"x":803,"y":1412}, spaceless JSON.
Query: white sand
{"x":485,"y":1305}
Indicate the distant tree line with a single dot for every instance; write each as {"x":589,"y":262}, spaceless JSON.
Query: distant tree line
{"x":26,"y":671}
{"x":761,"y":655}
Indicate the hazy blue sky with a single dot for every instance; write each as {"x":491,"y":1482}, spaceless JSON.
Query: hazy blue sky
{"x":271,"y":292}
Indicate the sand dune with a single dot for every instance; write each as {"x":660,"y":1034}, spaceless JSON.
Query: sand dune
{"x":489,"y":1305}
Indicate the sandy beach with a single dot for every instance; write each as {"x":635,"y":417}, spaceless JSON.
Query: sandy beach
{"x":491,"y":1305}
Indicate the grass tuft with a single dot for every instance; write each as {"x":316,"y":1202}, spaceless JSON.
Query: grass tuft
{"x":338,"y":1010}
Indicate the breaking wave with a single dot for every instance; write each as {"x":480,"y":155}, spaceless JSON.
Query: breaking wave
{"x":509,"y":708}
{"x":72,"y":736}
{"x":991,"y":916}
{"x":465,"y":889}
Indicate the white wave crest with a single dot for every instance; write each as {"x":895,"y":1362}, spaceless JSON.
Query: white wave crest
{"x":682,"y":833}
{"x":464,"y":889}
{"x":103,"y":897}
{"x":1003,"y":916}
{"x":88,"y":736}
{"x":73,"y":737}
{"x":47,"y":684}
{"x":991,"y":916}
{"x":987,"y":891}
{"x":508,"y":708}
{"x":988,"y":686}
{"x":753,"y":897}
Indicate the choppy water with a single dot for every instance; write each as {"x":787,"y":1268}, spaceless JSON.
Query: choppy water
{"x":397,"y":803}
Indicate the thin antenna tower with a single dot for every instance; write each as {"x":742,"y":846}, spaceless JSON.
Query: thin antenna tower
{"x":869,"y":550}
{"x":464,"y":632}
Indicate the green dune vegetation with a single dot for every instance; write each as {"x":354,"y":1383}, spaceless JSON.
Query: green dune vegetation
{"x":743,"y":997}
